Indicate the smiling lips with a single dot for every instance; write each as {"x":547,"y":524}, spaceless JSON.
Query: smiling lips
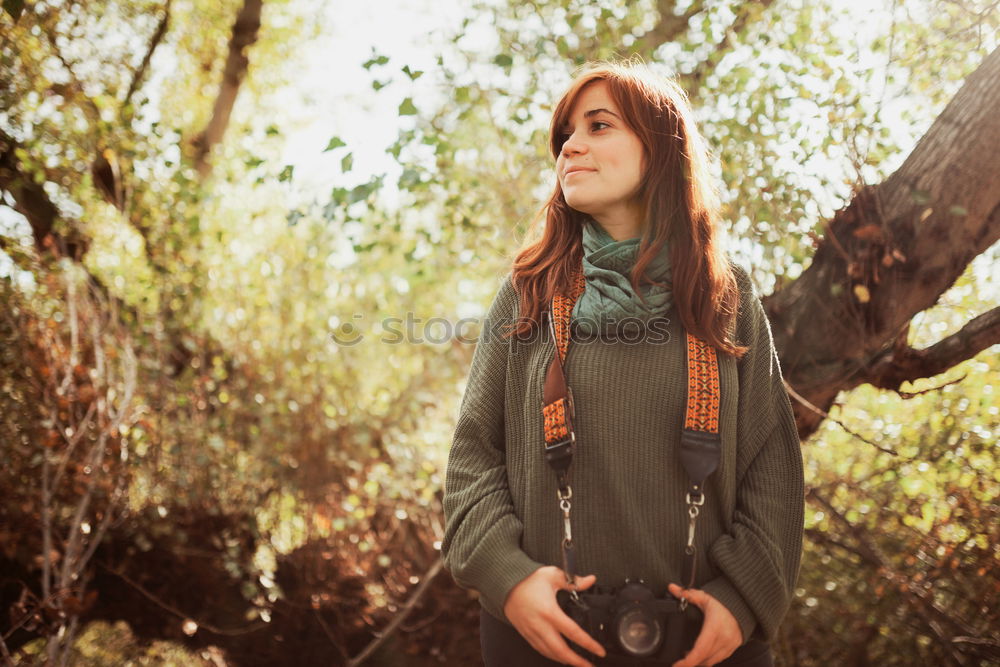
{"x":577,"y":170}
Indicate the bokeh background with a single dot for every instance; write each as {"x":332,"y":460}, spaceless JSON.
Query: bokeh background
{"x":245,"y":249}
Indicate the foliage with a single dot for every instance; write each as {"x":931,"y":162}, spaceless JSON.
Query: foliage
{"x":283,"y":440}
{"x":902,"y":548}
{"x":106,"y":644}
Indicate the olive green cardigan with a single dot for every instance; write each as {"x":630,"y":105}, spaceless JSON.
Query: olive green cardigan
{"x":629,"y":517}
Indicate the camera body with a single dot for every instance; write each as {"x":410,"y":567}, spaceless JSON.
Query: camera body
{"x":632,"y":624}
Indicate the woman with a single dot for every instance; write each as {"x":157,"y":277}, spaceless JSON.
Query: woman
{"x":629,"y":257}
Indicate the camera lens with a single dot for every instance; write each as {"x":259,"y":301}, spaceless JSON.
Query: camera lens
{"x":638,"y":632}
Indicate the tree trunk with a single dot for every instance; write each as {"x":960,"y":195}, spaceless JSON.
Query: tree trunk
{"x":244,"y":35}
{"x":891,"y":254}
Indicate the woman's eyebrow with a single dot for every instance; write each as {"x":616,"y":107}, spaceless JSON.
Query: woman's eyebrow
{"x":591,"y":114}
{"x":594,"y":112}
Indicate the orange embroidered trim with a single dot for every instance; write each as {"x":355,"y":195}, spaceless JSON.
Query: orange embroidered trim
{"x":702,"y":412}
{"x":555,"y":421}
{"x":563,"y":309}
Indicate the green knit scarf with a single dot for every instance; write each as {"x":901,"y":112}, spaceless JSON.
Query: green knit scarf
{"x":609,"y":298}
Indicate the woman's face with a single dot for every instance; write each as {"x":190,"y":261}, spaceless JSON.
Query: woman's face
{"x":602,"y":161}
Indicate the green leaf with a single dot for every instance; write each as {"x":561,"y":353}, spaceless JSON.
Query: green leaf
{"x":335,"y":142}
{"x":338,"y":195}
{"x":360,"y":192}
{"x":406,"y":107}
{"x":286,"y":173}
{"x":379,"y":85}
{"x":413,"y":74}
{"x":375,"y":60}
{"x":347,"y":162}
{"x":409,"y":178}
{"x":503,"y":60}
{"x":272,"y":130}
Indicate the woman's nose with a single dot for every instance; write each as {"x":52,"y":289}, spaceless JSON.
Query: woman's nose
{"x":573,"y":146}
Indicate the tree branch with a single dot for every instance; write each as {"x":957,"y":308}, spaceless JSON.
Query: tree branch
{"x":746,"y":12}
{"x":253,"y":627}
{"x":140,"y":73}
{"x":817,"y":535}
{"x":401,"y":616}
{"x":31,"y":201}
{"x":826,"y":415}
{"x":669,"y":27}
{"x":906,"y":364}
{"x":244,"y":35}
{"x":47,"y":23}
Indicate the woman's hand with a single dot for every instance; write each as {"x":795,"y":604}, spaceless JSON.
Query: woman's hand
{"x":532,"y":608}
{"x":720,"y":632}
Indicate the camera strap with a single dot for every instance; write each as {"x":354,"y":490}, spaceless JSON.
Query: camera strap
{"x":701,"y":444}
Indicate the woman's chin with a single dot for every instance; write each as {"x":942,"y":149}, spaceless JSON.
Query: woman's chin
{"x":581,"y":206}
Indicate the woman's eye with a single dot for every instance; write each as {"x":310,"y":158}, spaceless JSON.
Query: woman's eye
{"x":598,"y":125}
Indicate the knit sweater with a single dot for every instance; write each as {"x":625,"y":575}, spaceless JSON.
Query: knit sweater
{"x":629,"y":516}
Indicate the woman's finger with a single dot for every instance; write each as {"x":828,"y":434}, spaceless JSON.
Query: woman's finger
{"x":720,"y":655}
{"x":581,"y":583}
{"x":545,"y":639}
{"x":557,"y":649}
{"x":704,"y":647}
{"x":697,"y":597}
{"x":572,"y":630}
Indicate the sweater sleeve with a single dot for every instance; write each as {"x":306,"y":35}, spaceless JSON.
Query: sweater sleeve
{"x":482,"y":538}
{"x":758,"y":557}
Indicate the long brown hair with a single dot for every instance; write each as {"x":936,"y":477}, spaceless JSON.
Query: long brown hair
{"x":680,"y":204}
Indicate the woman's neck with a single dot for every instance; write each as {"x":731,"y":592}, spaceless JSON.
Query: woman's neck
{"x":621,"y":225}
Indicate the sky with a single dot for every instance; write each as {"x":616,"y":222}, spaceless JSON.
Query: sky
{"x":341,"y":101}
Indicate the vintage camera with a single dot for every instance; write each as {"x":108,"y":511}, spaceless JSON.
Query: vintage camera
{"x":632,"y":624}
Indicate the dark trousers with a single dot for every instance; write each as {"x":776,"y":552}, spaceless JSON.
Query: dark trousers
{"x":504,"y":646}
